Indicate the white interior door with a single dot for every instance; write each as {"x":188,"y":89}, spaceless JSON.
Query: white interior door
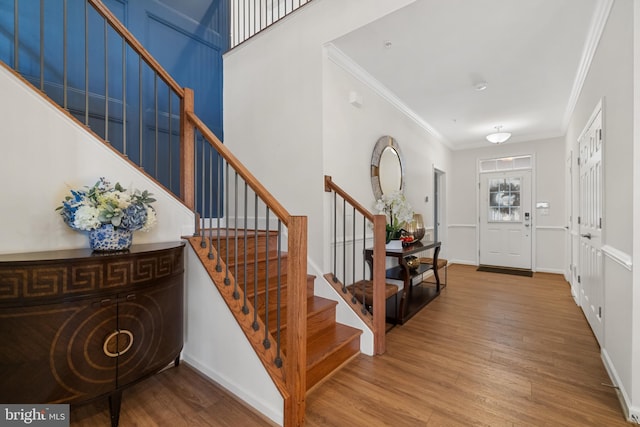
{"x":590,"y":226}
{"x":505,"y":219}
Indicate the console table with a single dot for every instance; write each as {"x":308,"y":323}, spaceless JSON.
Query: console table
{"x":413,"y":298}
{"x":77,"y":325}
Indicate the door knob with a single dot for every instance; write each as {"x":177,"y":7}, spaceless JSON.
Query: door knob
{"x":588,"y":235}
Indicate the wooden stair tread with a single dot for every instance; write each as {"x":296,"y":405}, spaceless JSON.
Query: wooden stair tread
{"x":315,"y":306}
{"x":329,"y":349}
{"x":320,"y":344}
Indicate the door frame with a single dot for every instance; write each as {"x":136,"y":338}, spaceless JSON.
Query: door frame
{"x":440,"y":204}
{"x":534,"y":219}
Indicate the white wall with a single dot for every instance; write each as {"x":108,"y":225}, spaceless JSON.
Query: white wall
{"x":351,"y":132}
{"x":222,"y":353}
{"x":274,"y":109}
{"x":610,"y":79}
{"x":45,"y":154}
{"x":273,"y":104}
{"x":548,"y":186}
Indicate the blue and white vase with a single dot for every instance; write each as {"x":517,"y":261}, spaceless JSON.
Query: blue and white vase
{"x":107,"y":238}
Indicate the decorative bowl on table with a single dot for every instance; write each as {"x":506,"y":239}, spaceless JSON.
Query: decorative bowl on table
{"x":412,"y":261}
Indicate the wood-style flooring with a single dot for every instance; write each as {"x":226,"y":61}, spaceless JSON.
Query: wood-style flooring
{"x":491,"y":350}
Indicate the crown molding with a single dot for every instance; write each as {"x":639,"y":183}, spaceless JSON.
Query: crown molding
{"x":338,"y":57}
{"x":598,"y":22}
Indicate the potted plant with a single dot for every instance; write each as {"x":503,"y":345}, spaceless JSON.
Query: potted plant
{"x":109,"y":213}
{"x":398,"y":212}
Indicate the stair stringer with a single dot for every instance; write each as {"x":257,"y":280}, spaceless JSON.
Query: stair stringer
{"x":223,"y":353}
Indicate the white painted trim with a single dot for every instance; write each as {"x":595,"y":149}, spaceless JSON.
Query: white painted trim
{"x":622,"y":258}
{"x":338,"y":57}
{"x":603,"y":8}
{"x":632,"y":414}
{"x":232,"y":388}
{"x":462,"y":225}
{"x":462,"y":261}
{"x":550,"y":270}
{"x":550,"y":227}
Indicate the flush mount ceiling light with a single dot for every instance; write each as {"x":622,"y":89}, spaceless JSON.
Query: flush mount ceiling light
{"x":480,"y":86}
{"x":498,"y":137}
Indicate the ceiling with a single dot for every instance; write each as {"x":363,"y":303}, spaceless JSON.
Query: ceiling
{"x":429,"y":58}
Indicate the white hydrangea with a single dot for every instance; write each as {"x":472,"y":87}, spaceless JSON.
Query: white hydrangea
{"x":152,"y":219}
{"x":86,"y":218}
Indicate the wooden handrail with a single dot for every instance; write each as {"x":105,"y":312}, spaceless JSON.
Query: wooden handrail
{"x":236,"y":165}
{"x":329,"y":185}
{"x":136,"y":46}
{"x":379,"y":262}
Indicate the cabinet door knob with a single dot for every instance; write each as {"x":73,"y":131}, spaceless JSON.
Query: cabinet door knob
{"x":111,"y":336}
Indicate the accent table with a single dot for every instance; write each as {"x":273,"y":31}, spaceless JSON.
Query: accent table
{"x":77,"y":325}
{"x":415,"y":297}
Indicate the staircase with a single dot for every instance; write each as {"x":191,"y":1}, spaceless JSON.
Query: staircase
{"x":329,"y":344}
{"x":293,"y":332}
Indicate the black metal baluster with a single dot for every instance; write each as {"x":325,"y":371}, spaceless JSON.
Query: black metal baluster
{"x":170,"y":119}
{"x":245,"y":308}
{"x":335,"y":236}
{"x":210,"y":255}
{"x":255,"y":324}
{"x":195,"y":185}
{"x":86,"y":63}
{"x":218,"y":204}
{"x":278,"y":360}
{"x":65,"y":67}
{"x":124,"y":97}
{"x":16,"y":36}
{"x":344,"y":247}
{"x":106,"y":81}
{"x":203,"y":216}
{"x":155,"y":124}
{"x":364,"y":263}
{"x":227,"y":281}
{"x":236,"y":294}
{"x":140,"y":117}
{"x":42,"y":45}
{"x":266,"y":343}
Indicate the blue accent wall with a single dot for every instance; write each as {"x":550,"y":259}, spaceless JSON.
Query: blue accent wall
{"x":186,"y":38}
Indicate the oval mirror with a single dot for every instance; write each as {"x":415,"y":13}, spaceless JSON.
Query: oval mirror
{"x":387,"y":174}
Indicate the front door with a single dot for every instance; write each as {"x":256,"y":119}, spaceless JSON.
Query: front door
{"x":590,"y":225}
{"x":505,"y":219}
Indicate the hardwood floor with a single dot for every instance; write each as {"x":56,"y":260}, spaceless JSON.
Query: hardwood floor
{"x":176,"y":397}
{"x":492,"y":349}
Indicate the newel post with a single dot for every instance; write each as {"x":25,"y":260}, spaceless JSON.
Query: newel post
{"x":379,"y":273}
{"x":296,"y":361}
{"x":187,"y":151}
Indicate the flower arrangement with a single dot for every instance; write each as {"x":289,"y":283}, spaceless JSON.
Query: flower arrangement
{"x":397,"y":210}
{"x":91,"y":208}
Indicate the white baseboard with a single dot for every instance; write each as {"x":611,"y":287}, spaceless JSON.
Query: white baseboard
{"x":550,"y":270}
{"x":462,"y":261}
{"x":632,"y":413}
